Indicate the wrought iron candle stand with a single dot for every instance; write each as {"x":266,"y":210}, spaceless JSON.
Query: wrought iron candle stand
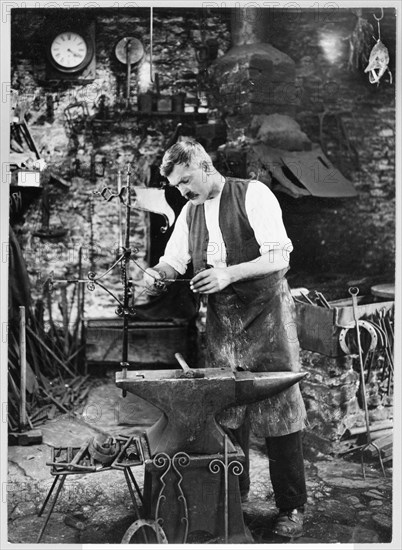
{"x":125,"y":308}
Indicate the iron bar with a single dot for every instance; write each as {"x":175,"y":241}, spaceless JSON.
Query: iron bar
{"x":354,"y":291}
{"x":226,"y":509}
{"x":23,"y":369}
{"x":124,"y":265}
{"x":237,"y":468}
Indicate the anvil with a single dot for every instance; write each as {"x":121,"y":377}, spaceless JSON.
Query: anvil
{"x":189,"y":403}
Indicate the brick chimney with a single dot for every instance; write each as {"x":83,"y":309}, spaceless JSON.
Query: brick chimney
{"x":253,"y":77}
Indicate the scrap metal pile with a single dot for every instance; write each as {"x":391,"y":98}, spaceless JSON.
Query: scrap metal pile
{"x":45,"y":375}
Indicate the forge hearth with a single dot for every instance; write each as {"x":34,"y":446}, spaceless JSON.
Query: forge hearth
{"x":253,"y":77}
{"x":256,"y":79}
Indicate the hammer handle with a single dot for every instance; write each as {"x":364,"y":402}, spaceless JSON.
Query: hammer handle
{"x":182,"y":362}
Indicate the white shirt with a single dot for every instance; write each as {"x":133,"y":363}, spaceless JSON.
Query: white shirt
{"x":264,"y":215}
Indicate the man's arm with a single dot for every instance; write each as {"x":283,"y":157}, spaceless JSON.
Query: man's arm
{"x":174,"y":261}
{"x":265,"y":217}
{"x":216,"y":279}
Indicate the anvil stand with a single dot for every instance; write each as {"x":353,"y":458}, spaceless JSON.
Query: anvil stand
{"x":184,"y":494}
{"x":196,"y":495}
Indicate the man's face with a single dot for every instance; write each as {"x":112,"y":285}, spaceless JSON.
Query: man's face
{"x":192,"y":181}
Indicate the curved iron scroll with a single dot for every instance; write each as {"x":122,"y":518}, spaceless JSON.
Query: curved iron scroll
{"x":236,"y":467}
{"x":163,"y":460}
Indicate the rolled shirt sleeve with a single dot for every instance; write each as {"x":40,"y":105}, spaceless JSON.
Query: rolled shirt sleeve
{"x":176,"y":252}
{"x":265,"y":217}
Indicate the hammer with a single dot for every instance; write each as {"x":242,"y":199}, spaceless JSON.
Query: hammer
{"x":188,"y":373}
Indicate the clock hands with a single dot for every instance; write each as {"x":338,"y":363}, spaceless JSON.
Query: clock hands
{"x":74,"y":53}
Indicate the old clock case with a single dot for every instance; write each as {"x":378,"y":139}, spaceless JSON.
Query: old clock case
{"x":70,"y":52}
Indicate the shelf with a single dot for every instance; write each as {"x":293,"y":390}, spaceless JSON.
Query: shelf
{"x":125,"y":117}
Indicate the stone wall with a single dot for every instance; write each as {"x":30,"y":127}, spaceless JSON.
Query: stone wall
{"x":71,"y":150}
{"x":355,"y":236}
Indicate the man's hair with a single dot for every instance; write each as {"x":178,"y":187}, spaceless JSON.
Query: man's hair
{"x":184,"y":152}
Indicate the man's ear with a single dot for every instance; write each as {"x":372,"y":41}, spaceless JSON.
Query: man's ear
{"x":204,"y":166}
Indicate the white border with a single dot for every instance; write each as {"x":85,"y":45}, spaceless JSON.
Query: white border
{"x":4,"y":201}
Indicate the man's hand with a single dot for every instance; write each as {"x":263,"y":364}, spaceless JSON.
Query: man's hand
{"x":211,"y":280}
{"x":151,"y":277}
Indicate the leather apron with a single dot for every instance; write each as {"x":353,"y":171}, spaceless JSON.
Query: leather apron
{"x":252,"y":327}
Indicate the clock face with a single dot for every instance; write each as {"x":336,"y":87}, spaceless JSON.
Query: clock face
{"x":69,"y":51}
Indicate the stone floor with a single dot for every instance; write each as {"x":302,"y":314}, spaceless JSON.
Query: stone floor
{"x":343,"y":507}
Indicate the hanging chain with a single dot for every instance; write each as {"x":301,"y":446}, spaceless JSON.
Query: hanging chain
{"x":378,"y":19}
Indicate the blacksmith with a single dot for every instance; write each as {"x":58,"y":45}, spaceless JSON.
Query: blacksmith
{"x":232,"y":232}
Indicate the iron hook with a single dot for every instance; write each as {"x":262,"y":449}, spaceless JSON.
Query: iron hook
{"x":382,"y":15}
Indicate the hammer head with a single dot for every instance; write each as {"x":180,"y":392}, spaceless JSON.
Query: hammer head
{"x":193,"y":373}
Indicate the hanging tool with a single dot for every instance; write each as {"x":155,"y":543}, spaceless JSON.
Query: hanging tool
{"x":379,"y":57}
{"x":354,"y":291}
{"x":321,"y":298}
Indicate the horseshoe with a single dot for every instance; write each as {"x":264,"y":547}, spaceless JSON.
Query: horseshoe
{"x":139,"y":524}
{"x":364,"y":324}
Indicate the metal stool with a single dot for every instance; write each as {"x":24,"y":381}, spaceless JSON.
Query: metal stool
{"x":78,"y":461}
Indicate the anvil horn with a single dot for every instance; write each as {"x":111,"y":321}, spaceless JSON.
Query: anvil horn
{"x":256,"y":386}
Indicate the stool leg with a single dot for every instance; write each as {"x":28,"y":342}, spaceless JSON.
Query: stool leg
{"x":134,"y":481}
{"x":59,"y":488}
{"x":131,"y":493}
{"x":134,"y":501}
{"x":48,"y":496}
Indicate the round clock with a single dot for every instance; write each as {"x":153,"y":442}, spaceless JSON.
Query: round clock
{"x":70,"y":51}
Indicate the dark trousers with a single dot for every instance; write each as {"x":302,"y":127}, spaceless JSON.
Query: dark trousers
{"x":286,"y":467}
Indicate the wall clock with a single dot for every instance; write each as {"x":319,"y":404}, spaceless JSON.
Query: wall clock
{"x":71,"y":53}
